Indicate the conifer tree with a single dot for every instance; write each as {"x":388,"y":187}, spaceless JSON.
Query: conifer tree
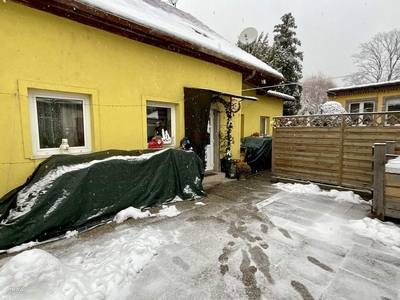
{"x":285,"y":40}
{"x":283,"y":56}
{"x":259,"y":48}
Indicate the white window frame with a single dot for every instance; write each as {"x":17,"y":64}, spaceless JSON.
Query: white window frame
{"x":387,"y":101}
{"x":173,"y":118}
{"x":45,"y":152}
{"x":266,"y":125}
{"x":361,"y":103}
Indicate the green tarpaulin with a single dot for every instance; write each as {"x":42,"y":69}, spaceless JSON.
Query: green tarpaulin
{"x":69,"y":192}
{"x":258,"y":152}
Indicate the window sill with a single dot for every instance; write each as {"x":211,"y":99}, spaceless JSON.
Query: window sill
{"x":44,"y":156}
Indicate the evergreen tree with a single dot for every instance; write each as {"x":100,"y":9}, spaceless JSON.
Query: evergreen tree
{"x":289,"y":64}
{"x":259,"y":48}
{"x":283,"y":56}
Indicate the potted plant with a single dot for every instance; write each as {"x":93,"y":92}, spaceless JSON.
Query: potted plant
{"x":242,"y":170}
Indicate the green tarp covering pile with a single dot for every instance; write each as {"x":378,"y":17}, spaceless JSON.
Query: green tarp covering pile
{"x":69,"y":192}
{"x":258,"y":153}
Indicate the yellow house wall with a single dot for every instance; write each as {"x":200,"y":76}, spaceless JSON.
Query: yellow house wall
{"x":43,"y":51}
{"x":378,"y":97}
{"x":252,"y":111}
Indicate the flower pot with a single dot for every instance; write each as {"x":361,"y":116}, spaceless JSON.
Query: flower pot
{"x":242,"y":177}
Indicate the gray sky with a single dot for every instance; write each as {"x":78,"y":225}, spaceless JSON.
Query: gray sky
{"x":330,"y":30}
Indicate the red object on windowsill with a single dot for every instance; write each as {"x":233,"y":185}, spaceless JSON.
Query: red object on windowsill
{"x":156,"y":144}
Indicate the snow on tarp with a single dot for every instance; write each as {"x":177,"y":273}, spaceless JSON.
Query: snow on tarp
{"x":69,"y":192}
{"x":169,"y":20}
{"x":393,"y":166}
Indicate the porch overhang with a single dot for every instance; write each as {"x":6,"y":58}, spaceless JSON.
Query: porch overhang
{"x":219,"y":93}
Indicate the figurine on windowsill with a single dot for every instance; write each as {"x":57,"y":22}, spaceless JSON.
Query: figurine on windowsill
{"x":156,"y":142}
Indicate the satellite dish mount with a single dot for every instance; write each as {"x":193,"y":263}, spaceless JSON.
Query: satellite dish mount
{"x":248,"y":35}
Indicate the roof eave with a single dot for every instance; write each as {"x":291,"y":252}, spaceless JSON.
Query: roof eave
{"x":94,"y":17}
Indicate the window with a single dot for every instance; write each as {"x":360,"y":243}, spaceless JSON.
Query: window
{"x":393,"y":105}
{"x":161,"y":121}
{"x":360,"y":107}
{"x":56,"y":116}
{"x":264,"y":126}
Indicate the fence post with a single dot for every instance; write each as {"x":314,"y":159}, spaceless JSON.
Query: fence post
{"x":378,"y":202}
{"x":390,"y":148}
{"x":341,"y":145}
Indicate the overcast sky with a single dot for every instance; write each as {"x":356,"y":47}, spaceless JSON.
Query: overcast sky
{"x":330,"y":30}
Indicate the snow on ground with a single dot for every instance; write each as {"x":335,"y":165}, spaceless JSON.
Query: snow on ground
{"x":108,"y":267}
{"x":313,"y":189}
{"x":104,"y":271}
{"x":23,"y":247}
{"x":130,"y":212}
{"x":384,"y":232}
{"x":70,"y":234}
{"x":169,"y":211}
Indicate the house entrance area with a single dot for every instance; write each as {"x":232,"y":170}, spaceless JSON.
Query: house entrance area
{"x":212,"y":148}
{"x":202,"y":122}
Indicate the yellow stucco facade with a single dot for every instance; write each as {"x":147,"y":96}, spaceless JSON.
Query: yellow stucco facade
{"x":379,"y":98}
{"x":41,"y":51}
{"x":252,"y":111}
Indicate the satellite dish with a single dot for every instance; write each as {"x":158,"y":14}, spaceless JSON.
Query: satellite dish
{"x":248,"y":35}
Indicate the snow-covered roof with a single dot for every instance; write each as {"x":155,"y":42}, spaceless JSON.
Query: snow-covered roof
{"x":160,"y":24}
{"x":281,"y":95}
{"x":365,"y":88}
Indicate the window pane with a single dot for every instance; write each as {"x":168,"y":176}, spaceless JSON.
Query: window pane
{"x":368,"y":107}
{"x":158,"y":118}
{"x":58,"y":119}
{"x":355,"y":107}
{"x":393,"y":105}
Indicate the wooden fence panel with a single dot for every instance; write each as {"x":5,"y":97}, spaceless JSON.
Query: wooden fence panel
{"x":296,"y":150}
{"x":336,"y":150}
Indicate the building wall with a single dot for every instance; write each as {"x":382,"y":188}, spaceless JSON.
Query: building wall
{"x":47,"y":52}
{"x":378,"y":97}
{"x":252,"y":111}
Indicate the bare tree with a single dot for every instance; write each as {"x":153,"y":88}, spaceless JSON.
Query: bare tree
{"x":378,"y":59}
{"x":314,"y":94}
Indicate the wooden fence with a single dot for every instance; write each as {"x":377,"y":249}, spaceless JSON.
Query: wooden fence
{"x":331,"y":149}
{"x":386,"y":201}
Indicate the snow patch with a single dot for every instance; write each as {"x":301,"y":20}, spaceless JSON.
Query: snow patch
{"x":200,"y":203}
{"x":313,"y":189}
{"x":386,"y":233}
{"x":188,"y":190}
{"x":69,"y":234}
{"x":393,"y":166}
{"x":170,"y":211}
{"x":22,"y":247}
{"x":176,"y":199}
{"x":130,"y":212}
{"x":104,"y":271}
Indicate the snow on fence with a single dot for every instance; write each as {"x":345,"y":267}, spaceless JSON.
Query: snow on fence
{"x":331,"y":149}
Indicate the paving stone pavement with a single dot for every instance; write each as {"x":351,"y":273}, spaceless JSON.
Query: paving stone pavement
{"x":253,"y":241}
